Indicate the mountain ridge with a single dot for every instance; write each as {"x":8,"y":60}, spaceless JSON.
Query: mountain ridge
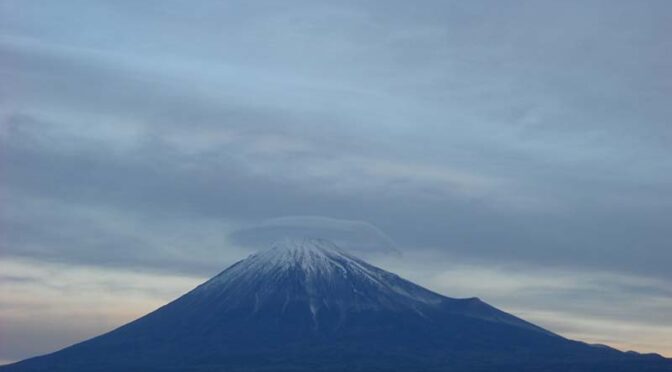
{"x":308,"y":305}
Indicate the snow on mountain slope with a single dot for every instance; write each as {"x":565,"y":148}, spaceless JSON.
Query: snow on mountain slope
{"x":317,"y":263}
{"x":326,"y":278}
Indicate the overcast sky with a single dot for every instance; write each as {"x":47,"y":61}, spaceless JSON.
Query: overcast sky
{"x":517,"y":151}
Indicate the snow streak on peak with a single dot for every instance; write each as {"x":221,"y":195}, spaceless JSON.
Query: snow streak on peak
{"x":323,"y":270}
{"x":310,"y":255}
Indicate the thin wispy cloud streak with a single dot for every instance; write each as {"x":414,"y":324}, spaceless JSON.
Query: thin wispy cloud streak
{"x":473,"y":137}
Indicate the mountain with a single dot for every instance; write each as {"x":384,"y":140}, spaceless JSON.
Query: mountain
{"x":306,"y":305}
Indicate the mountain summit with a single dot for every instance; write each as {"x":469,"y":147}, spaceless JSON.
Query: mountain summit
{"x":315,"y":277}
{"x":306,"y":305}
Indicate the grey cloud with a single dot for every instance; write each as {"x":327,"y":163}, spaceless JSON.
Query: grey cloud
{"x":17,"y":279}
{"x":64,"y":234}
{"x":156,"y":179}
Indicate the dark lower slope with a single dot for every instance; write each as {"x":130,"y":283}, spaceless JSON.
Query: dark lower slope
{"x":366,"y":341}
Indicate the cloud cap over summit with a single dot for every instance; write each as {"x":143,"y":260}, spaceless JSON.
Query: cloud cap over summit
{"x":359,"y":237}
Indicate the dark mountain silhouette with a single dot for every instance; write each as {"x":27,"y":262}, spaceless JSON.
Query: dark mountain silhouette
{"x":305,"y":305}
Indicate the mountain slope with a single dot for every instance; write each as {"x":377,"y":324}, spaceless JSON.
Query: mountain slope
{"x":307,"y":305}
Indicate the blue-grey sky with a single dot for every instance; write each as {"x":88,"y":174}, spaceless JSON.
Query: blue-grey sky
{"x":517,"y":151}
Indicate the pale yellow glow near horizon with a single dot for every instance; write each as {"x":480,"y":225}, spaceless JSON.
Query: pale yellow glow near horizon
{"x":593,"y":330}
{"x":47,"y":306}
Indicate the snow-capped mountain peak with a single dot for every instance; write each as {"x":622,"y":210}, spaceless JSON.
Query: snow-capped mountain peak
{"x":313,"y":256}
{"x":321,"y":274}
{"x":307,"y":303}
